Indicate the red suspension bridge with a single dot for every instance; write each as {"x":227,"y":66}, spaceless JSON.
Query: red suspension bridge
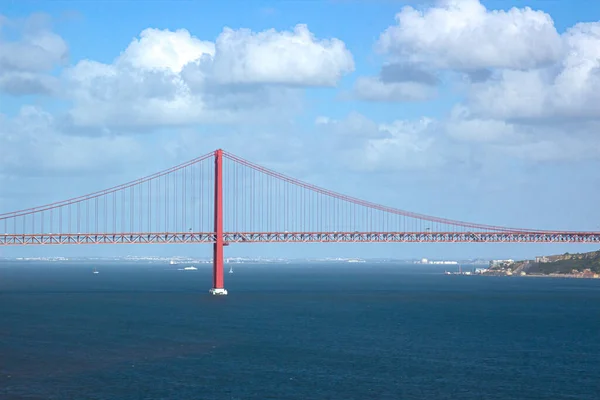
{"x":220,"y":198}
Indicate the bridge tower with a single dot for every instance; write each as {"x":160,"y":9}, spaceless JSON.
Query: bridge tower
{"x":218,"y":289}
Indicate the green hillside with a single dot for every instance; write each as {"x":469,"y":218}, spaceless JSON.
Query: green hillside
{"x":566,"y":263}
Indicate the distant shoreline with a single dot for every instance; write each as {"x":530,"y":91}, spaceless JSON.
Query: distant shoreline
{"x":573,"y":266}
{"x":569,"y":276}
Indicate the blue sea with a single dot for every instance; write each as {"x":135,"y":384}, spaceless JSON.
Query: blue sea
{"x":294,"y":331}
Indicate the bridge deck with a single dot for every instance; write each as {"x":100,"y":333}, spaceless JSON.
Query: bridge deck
{"x":300,"y":237}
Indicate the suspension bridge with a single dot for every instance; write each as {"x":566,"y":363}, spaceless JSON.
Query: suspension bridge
{"x":220,"y":198}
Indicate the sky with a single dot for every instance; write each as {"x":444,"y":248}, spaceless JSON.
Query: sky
{"x":484,"y":111}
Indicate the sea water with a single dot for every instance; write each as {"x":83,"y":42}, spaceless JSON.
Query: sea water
{"x":294,"y":331}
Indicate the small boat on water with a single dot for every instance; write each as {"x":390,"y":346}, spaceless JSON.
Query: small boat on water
{"x":231,"y":269}
{"x":95,"y":271}
{"x":191,"y":268}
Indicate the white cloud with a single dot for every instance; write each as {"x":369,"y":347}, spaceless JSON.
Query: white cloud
{"x":406,"y":145}
{"x":32,"y":142}
{"x":27,"y":83}
{"x":106,"y":95}
{"x":531,"y":94}
{"x":458,"y":35}
{"x":463,"y":127}
{"x":271,"y":57}
{"x":167,"y":78}
{"x":165,"y":49}
{"x":452,"y":144}
{"x":520,"y":67}
{"x":37,"y":50}
{"x":464,"y":35}
{"x":568,"y":89}
{"x":26,"y":60}
{"x":365,"y":145}
{"x":355,"y":125}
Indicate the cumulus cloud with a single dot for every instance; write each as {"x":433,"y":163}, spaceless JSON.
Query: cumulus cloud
{"x":519,"y":68}
{"x":19,"y":83}
{"x":26,"y":60}
{"x":520,"y":98}
{"x":568,"y":89}
{"x":458,"y":35}
{"x":459,"y":141}
{"x":464,"y":35}
{"x":464,"y":127}
{"x":531,"y":92}
{"x":172,"y":78}
{"x":405,"y":145}
{"x":400,"y":145}
{"x":32,"y":142}
{"x":164,"y":50}
{"x":288,"y":58}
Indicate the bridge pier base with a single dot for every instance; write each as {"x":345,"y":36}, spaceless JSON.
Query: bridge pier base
{"x":218,"y":292}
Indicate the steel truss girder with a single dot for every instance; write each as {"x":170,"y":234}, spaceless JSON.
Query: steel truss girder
{"x":105,"y":238}
{"x":300,"y":237}
{"x":413,"y":237}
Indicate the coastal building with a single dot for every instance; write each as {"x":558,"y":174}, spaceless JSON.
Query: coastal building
{"x":444,"y":262}
{"x":501,"y":263}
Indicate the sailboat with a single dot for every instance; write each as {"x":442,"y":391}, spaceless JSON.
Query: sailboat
{"x":95,"y":271}
{"x":231,"y":269}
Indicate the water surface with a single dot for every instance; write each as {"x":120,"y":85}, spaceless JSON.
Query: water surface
{"x":333,"y":331}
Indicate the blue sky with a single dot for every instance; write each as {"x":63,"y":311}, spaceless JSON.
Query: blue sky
{"x":447,"y":108}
